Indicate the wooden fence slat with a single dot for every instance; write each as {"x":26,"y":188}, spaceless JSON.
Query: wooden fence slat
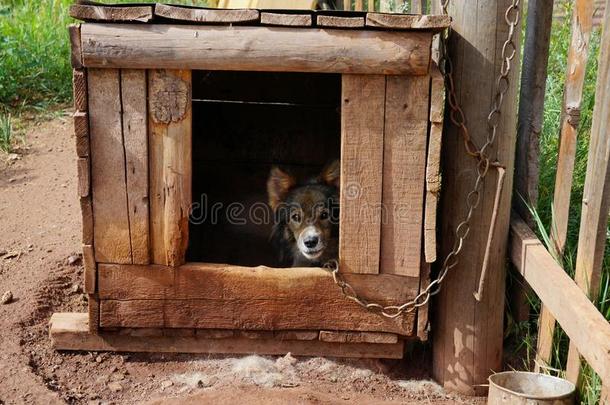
{"x":407,"y":21}
{"x":362,"y":128}
{"x":418,"y":6}
{"x":133,"y":93}
{"x":110,"y":215}
{"x":76,"y":52}
{"x":371,"y":5}
{"x":583,"y":323}
{"x":90,"y":270}
{"x":338,"y":21}
{"x":287,"y":19}
{"x":359,"y":5}
{"x":404,"y":172}
{"x":170,"y":114}
{"x":79,"y":89}
{"x":596,"y":196}
{"x":358,"y":337}
{"x":572,"y":97}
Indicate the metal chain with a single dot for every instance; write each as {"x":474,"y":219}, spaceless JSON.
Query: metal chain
{"x":484,"y":162}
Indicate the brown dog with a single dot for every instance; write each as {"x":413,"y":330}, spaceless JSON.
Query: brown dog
{"x":306,"y":228}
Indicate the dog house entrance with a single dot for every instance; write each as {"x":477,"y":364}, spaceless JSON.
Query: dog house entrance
{"x":244,"y":123}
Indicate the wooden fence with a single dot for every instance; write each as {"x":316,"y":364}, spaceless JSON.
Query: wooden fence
{"x":565,"y":300}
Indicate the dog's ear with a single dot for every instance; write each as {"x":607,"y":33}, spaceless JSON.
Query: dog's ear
{"x":331,"y":174}
{"x":278,"y":186}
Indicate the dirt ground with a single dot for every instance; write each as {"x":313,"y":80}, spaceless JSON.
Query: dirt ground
{"x":41,"y":266}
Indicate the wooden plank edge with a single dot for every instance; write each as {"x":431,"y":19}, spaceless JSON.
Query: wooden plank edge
{"x":207,"y":15}
{"x":89,"y":11}
{"x":70,"y":331}
{"x":582,"y":322}
{"x":333,"y":21}
{"x":76,"y":53}
{"x":408,"y":21}
{"x":286,"y":19}
{"x":358,"y":337}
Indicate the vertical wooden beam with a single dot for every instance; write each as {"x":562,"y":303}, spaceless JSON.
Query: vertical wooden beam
{"x":531,"y":105}
{"x":110,"y":216}
{"x":76,"y":56}
{"x":362,"y":125}
{"x":433,"y":165}
{"x":359,"y":5}
{"x":596,"y":196}
{"x":169,"y":131}
{"x":133,"y":93}
{"x":582,"y":21}
{"x":418,"y":7}
{"x":347,"y":5}
{"x":404,"y":171}
{"x":468,"y":334}
{"x":371,"y":5}
{"x":531,"y":109}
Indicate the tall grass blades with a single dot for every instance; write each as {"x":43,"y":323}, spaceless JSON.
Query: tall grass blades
{"x":6,"y":133}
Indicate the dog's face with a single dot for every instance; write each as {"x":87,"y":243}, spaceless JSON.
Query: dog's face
{"x":307,"y":218}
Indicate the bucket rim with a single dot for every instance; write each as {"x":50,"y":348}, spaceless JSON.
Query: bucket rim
{"x":522,"y":395}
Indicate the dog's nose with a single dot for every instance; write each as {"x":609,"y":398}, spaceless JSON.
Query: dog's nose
{"x":311,"y":242}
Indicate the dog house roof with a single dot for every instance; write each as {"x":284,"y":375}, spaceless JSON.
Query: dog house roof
{"x":156,"y":13}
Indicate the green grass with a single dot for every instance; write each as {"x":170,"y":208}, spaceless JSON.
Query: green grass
{"x":6,"y":133}
{"x":549,"y":148}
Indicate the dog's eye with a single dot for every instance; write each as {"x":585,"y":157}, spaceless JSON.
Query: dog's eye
{"x":296,"y":217}
{"x":323,"y":214}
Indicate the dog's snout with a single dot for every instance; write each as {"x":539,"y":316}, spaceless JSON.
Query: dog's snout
{"x":311,"y":241}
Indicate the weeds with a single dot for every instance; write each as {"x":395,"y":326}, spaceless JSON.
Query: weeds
{"x":6,"y":133}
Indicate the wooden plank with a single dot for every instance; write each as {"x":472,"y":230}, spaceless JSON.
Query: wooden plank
{"x":133,"y":95}
{"x":69,"y":331}
{"x":371,"y":5}
{"x":418,"y":7}
{"x":76,"y":53}
{"x":81,"y":133}
{"x":359,"y":5}
{"x":84,"y":182}
{"x":206,"y":15}
{"x":423,"y":312}
{"x":404,"y":171}
{"x":434,"y":23}
{"x":582,"y":322}
{"x":358,"y":337}
{"x":100,"y":12}
{"x":362,"y":126}
{"x":337,"y":21}
{"x":90,"y":269}
{"x":232,"y":297}
{"x":92,"y":318}
{"x":544,"y":343}
{"x":214,"y":333}
{"x":79,"y":90}
{"x":286,"y":19}
{"x":592,"y":235}
{"x":468,"y":334}
{"x":296,"y":334}
{"x":86,"y":208}
{"x":433,"y":164}
{"x":169,"y":125}
{"x":572,"y":98}
{"x":110,"y":214}
{"x":254,"y":49}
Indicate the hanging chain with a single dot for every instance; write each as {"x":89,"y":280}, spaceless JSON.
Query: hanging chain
{"x":484,"y":163}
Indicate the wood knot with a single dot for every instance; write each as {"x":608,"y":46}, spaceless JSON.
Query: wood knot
{"x":169,"y":97}
{"x":573,"y":116}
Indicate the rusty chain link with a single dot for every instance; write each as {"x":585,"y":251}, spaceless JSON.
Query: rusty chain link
{"x":484,"y":162}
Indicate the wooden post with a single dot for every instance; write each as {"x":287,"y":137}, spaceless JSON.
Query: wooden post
{"x":418,"y":7}
{"x":596,"y":196}
{"x":531,"y":109}
{"x":468,"y":334}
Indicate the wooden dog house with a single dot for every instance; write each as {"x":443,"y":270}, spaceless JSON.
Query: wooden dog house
{"x":176,"y":102}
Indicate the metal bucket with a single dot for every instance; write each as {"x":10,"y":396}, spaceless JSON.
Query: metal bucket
{"x":520,"y":387}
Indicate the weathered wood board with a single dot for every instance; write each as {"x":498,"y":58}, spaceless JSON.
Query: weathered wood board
{"x":169,"y":140}
{"x":260,"y":298}
{"x":70,"y":331}
{"x":362,"y":128}
{"x":112,"y":241}
{"x":404,"y":166}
